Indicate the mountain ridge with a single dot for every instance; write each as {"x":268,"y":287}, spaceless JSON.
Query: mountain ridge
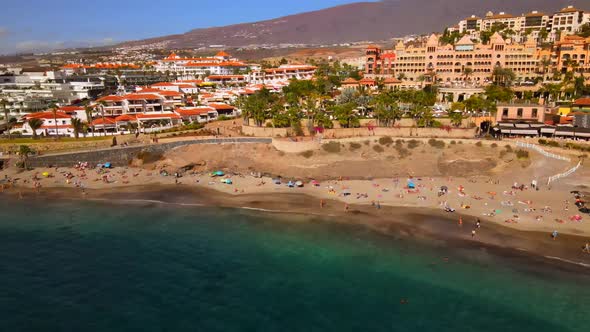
{"x":358,"y":21}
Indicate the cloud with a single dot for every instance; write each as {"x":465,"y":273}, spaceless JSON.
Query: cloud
{"x":3,"y":32}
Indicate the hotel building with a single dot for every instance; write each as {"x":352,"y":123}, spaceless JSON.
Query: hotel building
{"x":432,"y":61}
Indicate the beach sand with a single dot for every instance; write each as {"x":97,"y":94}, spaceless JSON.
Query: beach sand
{"x":521,"y":219}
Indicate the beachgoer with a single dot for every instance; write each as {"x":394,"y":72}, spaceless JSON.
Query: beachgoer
{"x":554,"y":235}
{"x":478,"y":223}
{"x":378,"y":205}
{"x":322,"y":203}
{"x":345,"y":207}
{"x":461,"y":221}
{"x":473,"y":233}
{"x":586,"y":248}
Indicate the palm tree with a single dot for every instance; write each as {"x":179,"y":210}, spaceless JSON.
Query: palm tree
{"x":88,"y":110}
{"x":545,"y":63}
{"x":35,"y":124}
{"x":102,"y":104}
{"x":3,"y":104}
{"x":78,"y":127}
{"x":53,"y":108}
{"x":24,"y":151}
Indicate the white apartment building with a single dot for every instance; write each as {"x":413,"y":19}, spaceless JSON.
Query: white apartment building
{"x":527,"y":26}
{"x":569,"y":19}
{"x":191,"y":68}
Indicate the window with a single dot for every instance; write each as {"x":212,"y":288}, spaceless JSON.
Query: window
{"x":519,"y":113}
{"x":534,"y":113}
{"x":505,"y":112}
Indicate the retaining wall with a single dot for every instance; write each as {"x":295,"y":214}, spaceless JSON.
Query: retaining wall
{"x":122,"y":156}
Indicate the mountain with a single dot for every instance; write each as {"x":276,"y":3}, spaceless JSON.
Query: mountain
{"x":355,"y":22}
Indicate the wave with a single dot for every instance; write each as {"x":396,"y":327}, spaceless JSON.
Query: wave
{"x":567,"y":261}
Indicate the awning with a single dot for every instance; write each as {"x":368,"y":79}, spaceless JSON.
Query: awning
{"x":564,"y":133}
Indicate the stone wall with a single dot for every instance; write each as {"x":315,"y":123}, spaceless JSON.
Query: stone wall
{"x":401,"y":132}
{"x":122,"y":156}
{"x":49,"y":145}
{"x":363,"y":131}
{"x":266,"y":131}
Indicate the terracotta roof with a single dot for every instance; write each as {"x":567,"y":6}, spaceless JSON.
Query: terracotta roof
{"x":221,"y":106}
{"x":222,"y":54}
{"x":350,"y":80}
{"x":582,"y":102}
{"x":391,"y":80}
{"x":48,"y":115}
{"x":53,"y":126}
{"x":67,"y":109}
{"x":472,"y":18}
{"x":367,"y":81}
{"x":194,"y":111}
{"x":125,"y":118}
{"x":163,"y":84}
{"x":165,"y":93}
{"x":139,"y":96}
{"x":100,"y":122}
{"x":531,"y":14}
{"x":185,"y":86}
{"x":110,"y":98}
{"x":158,"y":116}
{"x":224,"y":77}
{"x":72,"y":66}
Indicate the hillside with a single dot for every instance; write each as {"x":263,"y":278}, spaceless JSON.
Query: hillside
{"x":355,"y":22}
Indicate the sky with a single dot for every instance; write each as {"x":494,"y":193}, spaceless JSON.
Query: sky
{"x":40,"y":25}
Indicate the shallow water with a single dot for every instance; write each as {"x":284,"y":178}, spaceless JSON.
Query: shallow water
{"x":89,"y":266}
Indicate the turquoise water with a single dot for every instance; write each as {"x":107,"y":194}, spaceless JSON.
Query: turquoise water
{"x":84,"y":266}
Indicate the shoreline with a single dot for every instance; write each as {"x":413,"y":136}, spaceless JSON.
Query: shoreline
{"x":425,"y":224}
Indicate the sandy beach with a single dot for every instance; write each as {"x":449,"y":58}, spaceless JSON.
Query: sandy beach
{"x":519,"y":218}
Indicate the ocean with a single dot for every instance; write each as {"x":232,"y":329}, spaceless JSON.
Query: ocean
{"x":92,"y":266}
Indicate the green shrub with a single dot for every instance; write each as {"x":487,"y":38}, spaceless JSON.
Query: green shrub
{"x":542,"y":141}
{"x":494,"y":145}
{"x":332,"y":147}
{"x":522,"y":154}
{"x":453,"y":142}
{"x":355,"y":146}
{"x":479,"y":144}
{"x":385,"y":140}
{"x":306,"y":154}
{"x":460,"y":142}
{"x":436,"y":143}
{"x":378,"y":148}
{"x":399,"y":142}
{"x":412,"y":144}
{"x":366,"y":142}
{"x":508,"y":147}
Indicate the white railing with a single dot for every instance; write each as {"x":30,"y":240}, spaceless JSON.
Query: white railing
{"x":562,"y":175}
{"x":551,"y":155}
{"x":541,"y":151}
